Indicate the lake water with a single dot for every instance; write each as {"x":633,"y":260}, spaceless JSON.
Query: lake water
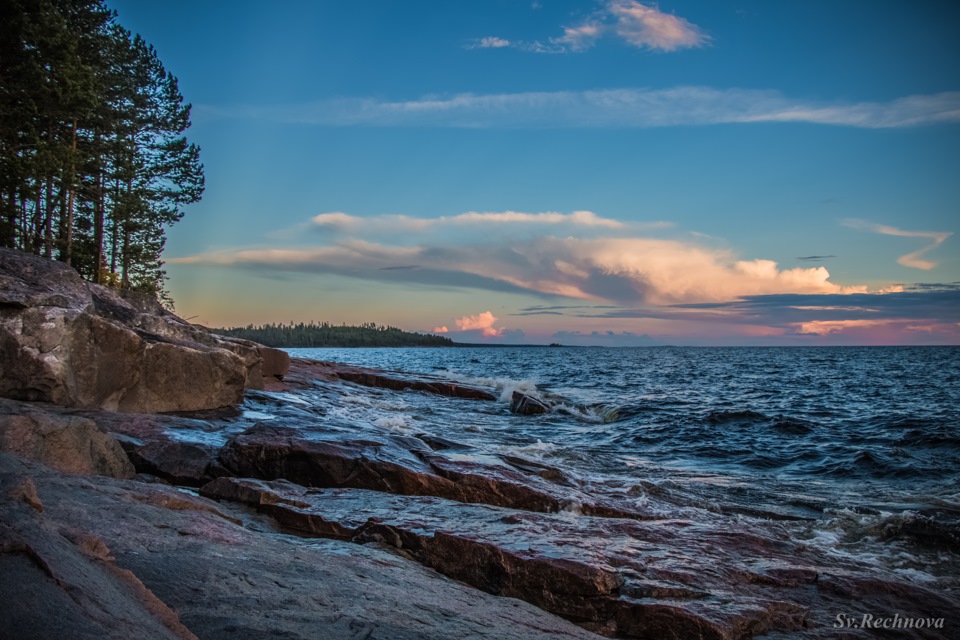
{"x":856,"y":450}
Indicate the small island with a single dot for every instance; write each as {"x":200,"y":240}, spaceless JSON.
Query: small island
{"x":324,"y":334}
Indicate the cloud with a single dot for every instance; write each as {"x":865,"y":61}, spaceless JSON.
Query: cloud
{"x":578,"y":38}
{"x":636,"y":24}
{"x":913,"y":259}
{"x":482,"y":322}
{"x":442,"y":329}
{"x":647,"y":27}
{"x":340,"y":221}
{"x":490,"y":42}
{"x":814,"y":258}
{"x":620,"y":270}
{"x":611,"y":108}
{"x":826,"y":327}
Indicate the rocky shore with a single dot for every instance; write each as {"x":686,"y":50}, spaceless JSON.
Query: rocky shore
{"x":159,"y":481}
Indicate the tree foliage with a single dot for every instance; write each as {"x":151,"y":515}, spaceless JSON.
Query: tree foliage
{"x":94,"y":164}
{"x":328,"y":335}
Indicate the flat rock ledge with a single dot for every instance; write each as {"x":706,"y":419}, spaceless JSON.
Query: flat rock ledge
{"x":92,"y":558}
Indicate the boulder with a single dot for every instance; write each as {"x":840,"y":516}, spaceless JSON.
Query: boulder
{"x":77,"y":344}
{"x":527,"y":405}
{"x":68,"y":443}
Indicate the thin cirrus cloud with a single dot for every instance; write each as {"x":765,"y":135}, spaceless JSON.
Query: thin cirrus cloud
{"x":340,"y":221}
{"x":913,"y":259}
{"x":610,"y":108}
{"x":634,"y":23}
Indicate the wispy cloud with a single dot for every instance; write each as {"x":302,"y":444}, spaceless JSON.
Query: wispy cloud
{"x":814,"y":258}
{"x":645,"y":26}
{"x":610,"y":108}
{"x":636,"y":24}
{"x":346,"y":222}
{"x":914,"y":259}
{"x":490,"y":42}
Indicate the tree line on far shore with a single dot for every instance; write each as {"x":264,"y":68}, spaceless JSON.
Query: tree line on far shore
{"x":94,"y":164}
{"x":327,"y":335}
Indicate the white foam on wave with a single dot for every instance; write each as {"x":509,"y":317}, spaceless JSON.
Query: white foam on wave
{"x":400,"y":422}
{"x":504,"y":386}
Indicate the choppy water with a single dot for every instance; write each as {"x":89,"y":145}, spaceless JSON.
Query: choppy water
{"x":854,"y":449}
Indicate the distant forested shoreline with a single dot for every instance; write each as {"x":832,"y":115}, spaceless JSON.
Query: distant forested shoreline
{"x":324,"y":334}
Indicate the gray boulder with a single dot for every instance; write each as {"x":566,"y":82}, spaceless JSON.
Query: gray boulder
{"x":73,"y":343}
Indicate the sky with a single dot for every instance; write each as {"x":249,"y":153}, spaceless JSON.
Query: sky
{"x":590,"y":172}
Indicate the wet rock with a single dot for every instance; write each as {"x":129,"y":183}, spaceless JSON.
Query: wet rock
{"x":527,"y":405}
{"x":167,"y":446}
{"x":66,"y":442}
{"x":120,"y":559}
{"x":77,"y":344}
{"x":653,"y":579}
{"x":376,"y":463}
{"x":276,"y":363}
{"x":303,"y":373}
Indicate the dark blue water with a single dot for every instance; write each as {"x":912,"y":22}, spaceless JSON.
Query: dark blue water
{"x":847,"y":446}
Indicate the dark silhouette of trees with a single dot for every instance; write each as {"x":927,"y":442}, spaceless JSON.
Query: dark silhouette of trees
{"x":327,"y":335}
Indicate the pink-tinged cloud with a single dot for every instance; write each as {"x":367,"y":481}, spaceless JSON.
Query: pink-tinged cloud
{"x":621,"y":270}
{"x":913,"y":259}
{"x":576,"y":218}
{"x":340,"y":221}
{"x":441,"y":330}
{"x":578,"y":38}
{"x":827,"y":327}
{"x":482,"y":322}
{"x":647,"y":27}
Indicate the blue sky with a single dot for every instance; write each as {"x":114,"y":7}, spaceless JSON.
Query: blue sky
{"x":591,"y":172}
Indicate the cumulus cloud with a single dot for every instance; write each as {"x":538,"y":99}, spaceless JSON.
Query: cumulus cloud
{"x":617,"y":108}
{"x":914,"y":259}
{"x":621,"y":270}
{"x":482,"y":322}
{"x":442,"y":329}
{"x":636,"y":24}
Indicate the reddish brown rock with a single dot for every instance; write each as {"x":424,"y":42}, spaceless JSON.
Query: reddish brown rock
{"x":302,"y":373}
{"x":339,"y":460}
{"x":651,"y":580}
{"x":112,"y":559}
{"x":68,"y":443}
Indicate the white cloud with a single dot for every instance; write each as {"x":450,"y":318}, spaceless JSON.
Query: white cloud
{"x":637,"y":24}
{"x":617,"y":108}
{"x":345,"y":222}
{"x":490,"y":42}
{"x":914,"y":259}
{"x":648,"y":27}
{"x":578,"y":38}
{"x":442,"y":329}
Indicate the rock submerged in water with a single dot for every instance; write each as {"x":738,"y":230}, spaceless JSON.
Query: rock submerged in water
{"x":527,"y":405}
{"x":73,"y":343}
